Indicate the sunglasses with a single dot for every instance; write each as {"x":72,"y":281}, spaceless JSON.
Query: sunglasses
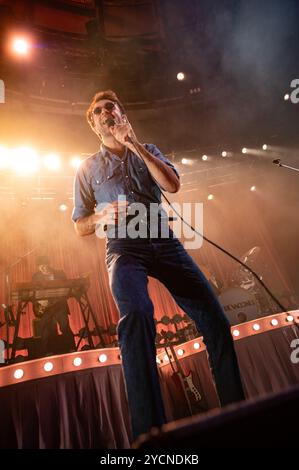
{"x":109,"y":106}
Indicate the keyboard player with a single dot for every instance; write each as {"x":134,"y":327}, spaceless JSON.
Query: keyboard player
{"x":52,"y":312}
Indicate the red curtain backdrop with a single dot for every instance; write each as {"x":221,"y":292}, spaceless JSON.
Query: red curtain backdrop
{"x":41,"y":226}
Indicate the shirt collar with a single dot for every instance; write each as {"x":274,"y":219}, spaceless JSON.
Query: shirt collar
{"x":109,"y":155}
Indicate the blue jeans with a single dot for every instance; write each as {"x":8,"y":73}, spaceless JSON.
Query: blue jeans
{"x":129,"y":263}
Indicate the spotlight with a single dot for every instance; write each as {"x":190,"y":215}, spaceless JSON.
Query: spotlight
{"x":196,"y":345}
{"x":290,"y":318}
{"x":244,"y":150}
{"x":253,"y":188}
{"x":204,"y":158}
{"x":236,"y":333}
{"x":166,"y":358}
{"x":286,"y":97}
{"x":180,"y":76}
{"x":194,"y":90}
{"x":24,"y":160}
{"x":158,"y":360}
{"x":20,"y":46}
{"x":63,"y":207}
{"x":274,"y":322}
{"x":4,"y":159}
{"x":180,"y":352}
{"x":52,"y":161}
{"x":187,"y":161}
{"x":265,"y":146}
{"x":210,"y":197}
{"x":224,"y":153}
{"x":76,"y":162}
{"x":256,"y":327}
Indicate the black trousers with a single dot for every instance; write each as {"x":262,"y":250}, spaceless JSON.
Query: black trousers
{"x":48,"y":328}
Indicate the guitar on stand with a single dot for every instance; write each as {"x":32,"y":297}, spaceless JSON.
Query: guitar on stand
{"x":183,"y":381}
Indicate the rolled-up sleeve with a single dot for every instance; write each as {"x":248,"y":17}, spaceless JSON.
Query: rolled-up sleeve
{"x":157,"y":153}
{"x":84,"y":201}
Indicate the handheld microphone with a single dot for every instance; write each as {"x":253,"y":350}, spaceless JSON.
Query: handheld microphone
{"x":111,"y":122}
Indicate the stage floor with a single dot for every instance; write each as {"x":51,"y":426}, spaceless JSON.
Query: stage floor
{"x":78,"y":400}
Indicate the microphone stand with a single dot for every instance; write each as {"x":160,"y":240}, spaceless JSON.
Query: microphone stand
{"x":277,"y":162}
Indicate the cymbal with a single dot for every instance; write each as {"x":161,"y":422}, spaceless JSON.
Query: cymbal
{"x":251,"y":254}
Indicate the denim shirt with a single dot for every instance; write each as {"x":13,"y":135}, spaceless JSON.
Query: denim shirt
{"x":104,"y":176}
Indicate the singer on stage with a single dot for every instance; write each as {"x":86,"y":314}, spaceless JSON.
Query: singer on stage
{"x":138,"y":172}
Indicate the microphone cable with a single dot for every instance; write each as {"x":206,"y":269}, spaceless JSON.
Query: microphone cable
{"x":226,"y":252}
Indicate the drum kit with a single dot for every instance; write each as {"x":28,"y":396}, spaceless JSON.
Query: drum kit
{"x":243,"y":299}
